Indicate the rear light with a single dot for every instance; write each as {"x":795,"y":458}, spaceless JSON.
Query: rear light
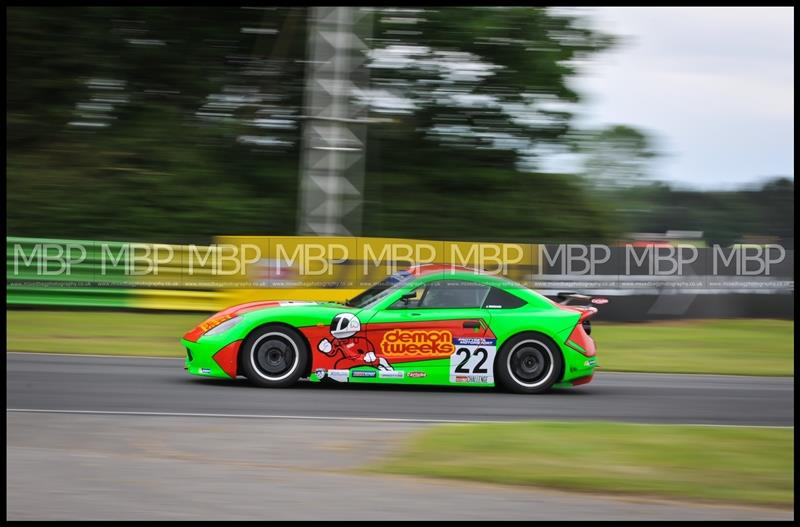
{"x":579,"y":339}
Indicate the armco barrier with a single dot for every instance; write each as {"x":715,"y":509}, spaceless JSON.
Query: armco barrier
{"x":102,"y":275}
{"x":207,"y":278}
{"x":177,"y":300}
{"x":359,"y":263}
{"x":72,"y":297}
{"x":189,"y":278}
{"x":35,"y":275}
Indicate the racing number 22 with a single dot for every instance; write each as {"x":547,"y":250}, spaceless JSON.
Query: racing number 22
{"x":478,"y":367}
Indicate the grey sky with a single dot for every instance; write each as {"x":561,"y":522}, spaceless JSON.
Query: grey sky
{"x":714,"y":85}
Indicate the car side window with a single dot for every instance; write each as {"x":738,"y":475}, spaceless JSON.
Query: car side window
{"x":500,"y":299}
{"x":453,"y":294}
{"x":409,"y":302}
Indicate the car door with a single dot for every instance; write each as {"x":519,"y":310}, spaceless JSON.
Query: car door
{"x":440,"y":335}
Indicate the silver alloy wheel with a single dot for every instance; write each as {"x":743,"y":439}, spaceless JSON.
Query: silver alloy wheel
{"x":272,"y":357}
{"x":531,"y":364}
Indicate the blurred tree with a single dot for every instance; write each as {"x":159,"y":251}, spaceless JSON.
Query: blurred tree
{"x":182,"y":123}
{"x":724,"y":217}
{"x":486,"y":84}
{"x":176,"y":124}
{"x":617,"y":156}
{"x":152,"y":123}
{"x":473,"y":94}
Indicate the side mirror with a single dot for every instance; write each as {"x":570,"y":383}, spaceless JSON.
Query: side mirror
{"x":408,"y":296}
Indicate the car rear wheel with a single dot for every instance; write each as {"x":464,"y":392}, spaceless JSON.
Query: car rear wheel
{"x":274,"y":356}
{"x":529,"y":363}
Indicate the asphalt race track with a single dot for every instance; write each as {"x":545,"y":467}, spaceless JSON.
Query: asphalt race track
{"x":105,"y":438}
{"x":144,"y":385}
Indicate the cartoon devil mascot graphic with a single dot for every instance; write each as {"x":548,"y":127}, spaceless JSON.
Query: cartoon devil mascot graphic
{"x":351,"y":349}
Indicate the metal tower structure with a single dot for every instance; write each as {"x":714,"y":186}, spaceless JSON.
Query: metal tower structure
{"x":334,"y":128}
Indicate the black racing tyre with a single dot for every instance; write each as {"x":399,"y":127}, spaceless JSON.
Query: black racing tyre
{"x":274,"y":356}
{"x":528,"y":363}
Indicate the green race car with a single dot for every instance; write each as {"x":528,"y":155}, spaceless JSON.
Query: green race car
{"x":430,"y":324}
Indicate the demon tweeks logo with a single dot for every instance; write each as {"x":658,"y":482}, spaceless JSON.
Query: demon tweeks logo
{"x":399,"y":342}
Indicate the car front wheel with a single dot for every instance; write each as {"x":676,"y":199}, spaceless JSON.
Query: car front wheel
{"x":274,"y":356}
{"x":529,"y":363}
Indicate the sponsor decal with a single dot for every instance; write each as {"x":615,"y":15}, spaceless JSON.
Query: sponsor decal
{"x":320,"y":373}
{"x":599,"y":301}
{"x":205,"y":370}
{"x":392,"y":374}
{"x":473,"y":341}
{"x":214,"y":322}
{"x":416,"y":374}
{"x":473,"y":360}
{"x":345,"y":325}
{"x":364,"y":373}
{"x":339,"y":375}
{"x":402,"y":342}
{"x":480,"y":379}
{"x":591,"y":363}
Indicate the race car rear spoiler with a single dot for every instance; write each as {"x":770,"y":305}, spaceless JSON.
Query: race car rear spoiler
{"x":566,"y":297}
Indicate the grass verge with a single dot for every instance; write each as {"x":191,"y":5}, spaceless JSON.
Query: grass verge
{"x":743,"y":346}
{"x":729,"y":346}
{"x":99,"y":332}
{"x":714,"y":464}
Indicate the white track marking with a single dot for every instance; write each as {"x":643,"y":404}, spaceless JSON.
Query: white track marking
{"x":691,"y":374}
{"x":93,"y":355}
{"x":599,"y":371}
{"x":368,"y":419}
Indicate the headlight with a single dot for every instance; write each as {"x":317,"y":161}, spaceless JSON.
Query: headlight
{"x":223,"y":327}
